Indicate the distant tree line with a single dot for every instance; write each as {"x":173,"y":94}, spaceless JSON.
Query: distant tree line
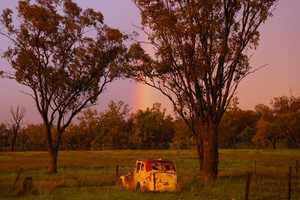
{"x":274,"y":126}
{"x":114,"y":128}
{"x":265,"y":127}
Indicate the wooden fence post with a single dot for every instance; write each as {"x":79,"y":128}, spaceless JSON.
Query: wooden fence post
{"x":297,"y":166}
{"x":248,"y":186}
{"x":65,"y":174}
{"x":117,"y":174}
{"x":290,"y":184}
{"x":18,"y":176}
{"x":27,"y":185}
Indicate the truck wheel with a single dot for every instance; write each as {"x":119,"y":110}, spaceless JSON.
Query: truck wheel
{"x":120,"y":183}
{"x":138,"y":187}
{"x":141,"y":188}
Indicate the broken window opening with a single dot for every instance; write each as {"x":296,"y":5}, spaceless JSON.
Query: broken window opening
{"x":138,"y":166}
{"x":158,"y":166}
{"x":143,"y":167}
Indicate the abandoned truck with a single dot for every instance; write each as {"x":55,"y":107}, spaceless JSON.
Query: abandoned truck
{"x":151,"y":175}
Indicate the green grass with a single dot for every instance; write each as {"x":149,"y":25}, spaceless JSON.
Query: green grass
{"x":91,"y":174}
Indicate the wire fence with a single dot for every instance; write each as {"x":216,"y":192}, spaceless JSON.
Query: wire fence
{"x":274,"y":186}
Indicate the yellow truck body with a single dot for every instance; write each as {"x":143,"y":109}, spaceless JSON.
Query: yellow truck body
{"x":151,"y":175}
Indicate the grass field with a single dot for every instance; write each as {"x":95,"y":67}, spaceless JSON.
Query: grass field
{"x":91,"y":175}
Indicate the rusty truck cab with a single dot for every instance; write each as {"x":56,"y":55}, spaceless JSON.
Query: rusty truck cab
{"x":155,"y":175}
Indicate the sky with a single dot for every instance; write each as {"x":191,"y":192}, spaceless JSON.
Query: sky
{"x":279,"y":49}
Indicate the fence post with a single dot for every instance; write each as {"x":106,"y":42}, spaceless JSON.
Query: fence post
{"x":297,"y":166}
{"x":290,"y":184}
{"x":117,"y":174}
{"x":247,"y":185}
{"x":18,"y":176}
{"x":27,"y":185}
{"x":65,"y":174}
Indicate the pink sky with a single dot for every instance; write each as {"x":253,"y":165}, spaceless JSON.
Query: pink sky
{"x":279,"y":48}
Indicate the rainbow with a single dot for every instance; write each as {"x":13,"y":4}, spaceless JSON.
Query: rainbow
{"x":145,"y":94}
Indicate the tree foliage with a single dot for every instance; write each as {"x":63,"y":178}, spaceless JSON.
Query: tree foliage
{"x":152,"y":128}
{"x":35,"y":137}
{"x":76,"y":137}
{"x":237,"y":126}
{"x":182,"y":138}
{"x":115,"y":128}
{"x":89,"y":126}
{"x":201,"y":57}
{"x":4,"y":141}
{"x":287,"y":112}
{"x":65,"y":55}
{"x":267,"y":131}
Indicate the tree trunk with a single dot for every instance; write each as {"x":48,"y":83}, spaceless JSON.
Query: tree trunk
{"x":208,"y":153}
{"x":52,"y":165}
{"x":13,"y":142}
{"x":52,"y":152}
{"x":274,"y":144}
{"x":12,"y":147}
